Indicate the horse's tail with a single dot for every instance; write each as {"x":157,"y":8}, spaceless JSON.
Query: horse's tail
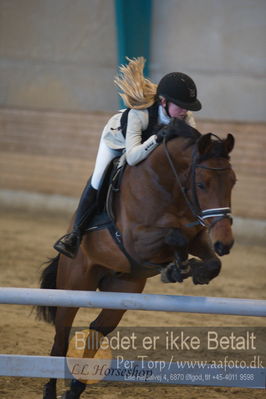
{"x":48,"y":280}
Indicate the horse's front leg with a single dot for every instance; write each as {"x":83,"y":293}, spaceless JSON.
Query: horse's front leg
{"x":209,"y":265}
{"x":179,"y":269}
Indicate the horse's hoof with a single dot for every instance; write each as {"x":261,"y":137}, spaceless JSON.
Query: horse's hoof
{"x":204,"y":272}
{"x":171,"y":274}
{"x":70,"y":395}
{"x":75,"y":391}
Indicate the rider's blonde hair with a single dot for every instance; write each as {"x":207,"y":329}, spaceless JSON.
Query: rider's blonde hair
{"x":137,"y":91}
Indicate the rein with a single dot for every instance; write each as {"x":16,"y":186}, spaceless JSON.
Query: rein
{"x":194,"y":206}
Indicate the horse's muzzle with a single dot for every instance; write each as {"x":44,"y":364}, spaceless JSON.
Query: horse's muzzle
{"x":223,"y":249}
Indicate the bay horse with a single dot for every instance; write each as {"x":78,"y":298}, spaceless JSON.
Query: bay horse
{"x":173,"y":204}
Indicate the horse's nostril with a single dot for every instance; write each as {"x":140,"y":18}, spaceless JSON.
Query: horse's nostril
{"x":222,"y":249}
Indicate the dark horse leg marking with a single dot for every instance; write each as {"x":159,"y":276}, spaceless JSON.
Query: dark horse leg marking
{"x":175,"y":238}
{"x":76,"y":389}
{"x":49,"y":389}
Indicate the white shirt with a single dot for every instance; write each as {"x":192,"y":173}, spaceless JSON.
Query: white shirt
{"x":137,"y":123}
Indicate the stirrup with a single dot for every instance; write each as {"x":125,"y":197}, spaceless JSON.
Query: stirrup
{"x":68,"y":245}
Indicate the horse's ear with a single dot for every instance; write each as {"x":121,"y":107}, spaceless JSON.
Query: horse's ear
{"x":229,"y":142}
{"x":204,"y":143}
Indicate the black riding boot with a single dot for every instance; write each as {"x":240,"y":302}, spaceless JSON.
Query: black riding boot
{"x":69,"y":243}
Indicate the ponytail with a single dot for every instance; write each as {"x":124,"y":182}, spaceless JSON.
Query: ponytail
{"x":137,"y":91}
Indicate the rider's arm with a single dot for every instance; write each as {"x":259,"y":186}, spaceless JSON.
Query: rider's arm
{"x":135,"y":150}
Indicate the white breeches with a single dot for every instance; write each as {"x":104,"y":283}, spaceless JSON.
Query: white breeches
{"x":104,"y":157}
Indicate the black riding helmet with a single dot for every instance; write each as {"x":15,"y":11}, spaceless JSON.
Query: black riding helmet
{"x":179,"y":89}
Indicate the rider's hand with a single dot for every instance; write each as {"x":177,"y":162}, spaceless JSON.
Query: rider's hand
{"x":161,"y":134}
{"x":167,"y":132}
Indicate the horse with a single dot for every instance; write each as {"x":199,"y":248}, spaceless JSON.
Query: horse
{"x":174,"y":204}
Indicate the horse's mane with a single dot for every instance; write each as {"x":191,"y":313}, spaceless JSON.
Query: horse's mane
{"x":181,"y":129}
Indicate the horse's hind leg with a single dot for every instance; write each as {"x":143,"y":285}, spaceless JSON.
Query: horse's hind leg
{"x":72,"y":275}
{"x":63,"y":323}
{"x":109,"y":319}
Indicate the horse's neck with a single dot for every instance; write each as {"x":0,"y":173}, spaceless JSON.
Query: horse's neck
{"x":175,"y":159}
{"x":153,"y":182}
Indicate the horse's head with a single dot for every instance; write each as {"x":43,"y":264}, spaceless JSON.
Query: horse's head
{"x":207,"y":181}
{"x":212,"y":180}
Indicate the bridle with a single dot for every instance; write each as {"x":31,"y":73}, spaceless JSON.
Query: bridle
{"x":193,"y":203}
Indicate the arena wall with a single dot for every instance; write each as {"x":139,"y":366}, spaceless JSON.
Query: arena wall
{"x":54,"y":153}
{"x":61,"y":55}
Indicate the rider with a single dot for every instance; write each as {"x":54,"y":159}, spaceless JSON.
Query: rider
{"x":148,"y":105}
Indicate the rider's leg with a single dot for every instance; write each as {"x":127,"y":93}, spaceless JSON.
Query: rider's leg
{"x":69,"y":244}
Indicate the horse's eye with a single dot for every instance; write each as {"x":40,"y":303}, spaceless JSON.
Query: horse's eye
{"x":201,"y":186}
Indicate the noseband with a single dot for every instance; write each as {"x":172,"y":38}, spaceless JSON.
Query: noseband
{"x":193,"y":204}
